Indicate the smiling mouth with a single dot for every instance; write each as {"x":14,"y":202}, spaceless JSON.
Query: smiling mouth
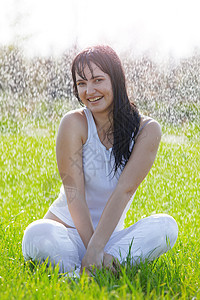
{"x":94,"y":99}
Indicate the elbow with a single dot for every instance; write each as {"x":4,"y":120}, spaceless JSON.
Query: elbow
{"x":126,"y":191}
{"x":131,"y":191}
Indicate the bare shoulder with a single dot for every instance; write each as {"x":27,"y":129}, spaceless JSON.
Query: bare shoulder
{"x":150,"y":126}
{"x":74,"y":117}
{"x":149,"y":133}
{"x":75,"y":123}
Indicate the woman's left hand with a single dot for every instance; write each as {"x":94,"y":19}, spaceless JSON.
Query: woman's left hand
{"x":111,"y":263}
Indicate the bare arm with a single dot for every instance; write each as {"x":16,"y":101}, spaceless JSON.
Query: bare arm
{"x":69,"y":159}
{"x":136,"y":169}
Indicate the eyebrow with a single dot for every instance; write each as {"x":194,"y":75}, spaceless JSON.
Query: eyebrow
{"x":93,"y":77}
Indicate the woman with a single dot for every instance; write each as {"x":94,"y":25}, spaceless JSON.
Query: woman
{"x":104,"y":151}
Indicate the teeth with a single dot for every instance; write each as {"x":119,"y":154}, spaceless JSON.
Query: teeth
{"x":95,"y":99}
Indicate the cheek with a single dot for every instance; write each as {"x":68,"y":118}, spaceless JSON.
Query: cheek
{"x":111,"y":90}
{"x":80,"y":92}
{"x":111,"y":93}
{"x":111,"y":96}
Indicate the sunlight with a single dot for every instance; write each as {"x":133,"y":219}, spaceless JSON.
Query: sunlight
{"x":49,"y":27}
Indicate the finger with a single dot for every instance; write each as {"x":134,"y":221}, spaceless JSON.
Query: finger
{"x":84,"y":270}
{"x":90,"y":270}
{"x":117,"y":265}
{"x":112,"y":270}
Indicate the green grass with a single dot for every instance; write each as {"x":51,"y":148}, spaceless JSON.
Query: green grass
{"x":29,"y":183}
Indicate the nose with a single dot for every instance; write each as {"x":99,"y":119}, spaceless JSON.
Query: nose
{"x":90,"y":89}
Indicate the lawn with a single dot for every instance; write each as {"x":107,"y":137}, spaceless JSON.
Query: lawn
{"x":29,"y":182}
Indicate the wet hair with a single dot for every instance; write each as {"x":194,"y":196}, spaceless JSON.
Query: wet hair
{"x":124,"y":117}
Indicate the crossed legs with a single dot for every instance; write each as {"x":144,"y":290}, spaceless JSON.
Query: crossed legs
{"x":149,"y":238}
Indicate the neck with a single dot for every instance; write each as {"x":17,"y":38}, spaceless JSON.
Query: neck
{"x":104,"y":129}
{"x":102,"y":121}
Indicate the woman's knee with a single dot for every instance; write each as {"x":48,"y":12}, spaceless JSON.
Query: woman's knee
{"x":49,"y":239}
{"x":165,"y":234}
{"x":36,"y":236}
{"x":170,"y":230}
{"x":41,"y":238}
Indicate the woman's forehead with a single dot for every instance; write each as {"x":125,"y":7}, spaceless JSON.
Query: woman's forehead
{"x":89,"y":71}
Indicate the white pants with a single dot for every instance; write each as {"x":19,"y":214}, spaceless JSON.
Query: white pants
{"x":150,"y":237}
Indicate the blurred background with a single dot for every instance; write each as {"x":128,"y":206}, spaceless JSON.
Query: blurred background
{"x":157,"y":41}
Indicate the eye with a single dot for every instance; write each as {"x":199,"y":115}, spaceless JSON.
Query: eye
{"x":80,"y":83}
{"x":98,"y":80}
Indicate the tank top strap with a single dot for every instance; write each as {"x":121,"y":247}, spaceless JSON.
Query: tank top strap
{"x":92,"y":130}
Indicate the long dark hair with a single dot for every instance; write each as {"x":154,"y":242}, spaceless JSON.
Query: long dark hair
{"x":125,"y":116}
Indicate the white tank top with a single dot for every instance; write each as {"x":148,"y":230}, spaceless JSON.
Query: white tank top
{"x":100,"y":180}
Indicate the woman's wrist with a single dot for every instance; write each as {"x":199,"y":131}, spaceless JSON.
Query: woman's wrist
{"x":95,"y":244}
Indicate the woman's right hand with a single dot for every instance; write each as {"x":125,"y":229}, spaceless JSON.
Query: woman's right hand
{"x":99,"y":260}
{"x":92,"y":259}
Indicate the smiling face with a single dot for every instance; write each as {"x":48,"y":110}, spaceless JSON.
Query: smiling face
{"x":95,"y":89}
